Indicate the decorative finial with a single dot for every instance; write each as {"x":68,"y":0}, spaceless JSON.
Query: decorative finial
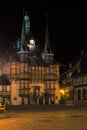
{"x":23,"y":11}
{"x":46,"y":14}
{"x":26,"y":13}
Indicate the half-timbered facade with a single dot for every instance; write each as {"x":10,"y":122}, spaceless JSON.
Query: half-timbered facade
{"x":27,"y":75}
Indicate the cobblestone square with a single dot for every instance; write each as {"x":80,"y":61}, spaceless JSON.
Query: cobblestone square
{"x":44,"y":118}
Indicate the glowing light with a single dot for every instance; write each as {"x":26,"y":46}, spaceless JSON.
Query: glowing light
{"x":32,"y":42}
{"x":62,"y":91}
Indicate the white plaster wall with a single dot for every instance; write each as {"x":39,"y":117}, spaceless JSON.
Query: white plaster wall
{"x":15,"y":99}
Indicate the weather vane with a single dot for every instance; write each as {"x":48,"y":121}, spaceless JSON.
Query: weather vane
{"x":23,"y":11}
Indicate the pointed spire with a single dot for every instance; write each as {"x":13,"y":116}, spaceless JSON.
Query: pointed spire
{"x":27,"y":24}
{"x":47,"y":40}
{"x":25,"y":29}
{"x":22,"y":33}
{"x":22,"y":36}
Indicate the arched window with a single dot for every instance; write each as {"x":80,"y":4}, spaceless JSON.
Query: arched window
{"x":84,"y":94}
{"x":79,"y":94}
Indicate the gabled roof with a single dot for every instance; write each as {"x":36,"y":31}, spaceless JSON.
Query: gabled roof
{"x":78,"y":67}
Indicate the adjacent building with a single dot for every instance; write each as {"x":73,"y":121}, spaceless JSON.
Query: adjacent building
{"x":74,"y":81}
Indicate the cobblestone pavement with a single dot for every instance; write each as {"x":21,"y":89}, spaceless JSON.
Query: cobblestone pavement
{"x":44,"y":118}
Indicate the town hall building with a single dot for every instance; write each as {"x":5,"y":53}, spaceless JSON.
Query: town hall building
{"x":27,"y":75}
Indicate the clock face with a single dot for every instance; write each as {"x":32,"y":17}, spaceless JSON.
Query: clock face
{"x":32,"y":42}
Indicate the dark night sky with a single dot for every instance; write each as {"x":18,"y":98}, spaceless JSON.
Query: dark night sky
{"x":67,"y":28}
